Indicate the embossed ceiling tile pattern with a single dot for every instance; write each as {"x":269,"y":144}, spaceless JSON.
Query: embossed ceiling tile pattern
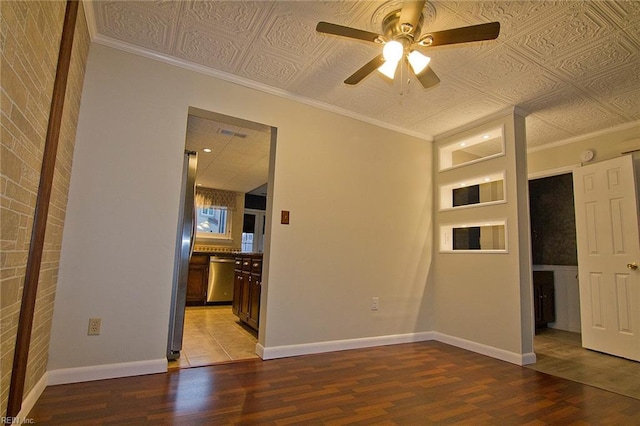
{"x":625,"y":14}
{"x":503,"y":63}
{"x":337,"y":61}
{"x":444,"y":121}
{"x":291,"y":35}
{"x":198,"y":45}
{"x":627,"y":104}
{"x":566,"y":95}
{"x":310,"y":85}
{"x":457,"y":58}
{"x":514,"y":16}
{"x":436,"y":124}
{"x":343,"y":13}
{"x":582,"y":115}
{"x":269,"y":68}
{"x":371,"y":101}
{"x":536,"y":82}
{"x":418,"y":104}
{"x":574,"y":65}
{"x":239,"y":19}
{"x":613,"y":52}
{"x":620,"y":79}
{"x":540,"y":132}
{"x":151,"y":28}
{"x":571,"y":30}
{"x":432,"y":101}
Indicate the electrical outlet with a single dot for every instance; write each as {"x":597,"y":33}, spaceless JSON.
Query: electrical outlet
{"x":375,"y":303}
{"x":94,"y":326}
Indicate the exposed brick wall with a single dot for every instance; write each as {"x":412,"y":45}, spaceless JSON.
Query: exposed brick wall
{"x":30,"y":34}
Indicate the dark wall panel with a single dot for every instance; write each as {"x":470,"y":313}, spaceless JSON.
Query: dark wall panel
{"x":553,"y":225}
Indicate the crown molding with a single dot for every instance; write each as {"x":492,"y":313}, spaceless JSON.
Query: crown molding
{"x":231,"y":78}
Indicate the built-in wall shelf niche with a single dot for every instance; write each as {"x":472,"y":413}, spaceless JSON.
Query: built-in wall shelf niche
{"x":471,"y":192}
{"x":478,"y":237}
{"x":480,"y":147}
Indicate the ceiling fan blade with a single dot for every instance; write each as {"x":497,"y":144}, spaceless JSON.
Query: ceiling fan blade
{"x":428,"y":78}
{"x":367,"y":69}
{"x":339,"y":30}
{"x":480,"y":32}
{"x":411,"y":11}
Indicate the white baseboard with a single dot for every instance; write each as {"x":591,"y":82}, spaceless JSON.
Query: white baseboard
{"x":340,"y":345}
{"x":107,"y":371}
{"x":32,"y":397}
{"x":493,"y":352}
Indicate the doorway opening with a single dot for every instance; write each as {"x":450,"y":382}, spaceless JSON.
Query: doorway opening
{"x":232,"y":219}
{"x":557,"y":341}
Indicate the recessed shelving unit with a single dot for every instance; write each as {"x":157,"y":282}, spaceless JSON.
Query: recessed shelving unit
{"x":473,"y":192}
{"x":480,"y":147}
{"x":477,"y":237}
{"x":465,"y":188}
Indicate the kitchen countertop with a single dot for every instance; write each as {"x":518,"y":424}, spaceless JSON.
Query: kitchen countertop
{"x":196,"y":251}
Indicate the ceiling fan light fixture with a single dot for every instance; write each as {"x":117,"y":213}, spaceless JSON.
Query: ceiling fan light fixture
{"x":418,"y":61}
{"x":426,"y":40}
{"x":388,"y":69}
{"x":393,"y":51}
{"x":406,"y":28}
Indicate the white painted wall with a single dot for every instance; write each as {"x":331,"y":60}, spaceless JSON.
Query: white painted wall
{"x":360,"y":198}
{"x":486,"y":297}
{"x":606,"y":144}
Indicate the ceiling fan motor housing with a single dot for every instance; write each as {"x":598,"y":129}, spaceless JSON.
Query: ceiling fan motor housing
{"x":393,"y":28}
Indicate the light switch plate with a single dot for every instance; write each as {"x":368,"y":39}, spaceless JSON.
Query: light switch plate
{"x":284,"y":217}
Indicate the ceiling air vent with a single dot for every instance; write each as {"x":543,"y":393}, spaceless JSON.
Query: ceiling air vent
{"x":227,"y":132}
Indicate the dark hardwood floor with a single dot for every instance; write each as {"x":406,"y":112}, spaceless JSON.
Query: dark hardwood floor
{"x":418,"y":383}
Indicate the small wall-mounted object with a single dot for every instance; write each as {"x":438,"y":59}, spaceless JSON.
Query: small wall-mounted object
{"x":284,"y":217}
{"x":587,"y":156}
{"x":483,"y":146}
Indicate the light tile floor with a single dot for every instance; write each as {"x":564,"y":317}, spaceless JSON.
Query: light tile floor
{"x":560,"y":353}
{"x":213,"y":334}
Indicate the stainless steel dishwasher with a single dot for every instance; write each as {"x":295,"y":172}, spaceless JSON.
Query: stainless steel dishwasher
{"x":220,"y":280}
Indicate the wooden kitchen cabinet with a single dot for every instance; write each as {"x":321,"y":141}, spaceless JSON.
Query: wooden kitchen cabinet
{"x":255,"y":290}
{"x":247,"y":289}
{"x":543,"y":298}
{"x":237,"y":287}
{"x":198,"y":280}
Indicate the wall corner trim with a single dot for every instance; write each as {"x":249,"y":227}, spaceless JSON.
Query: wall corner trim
{"x":32,"y":397}
{"x":107,"y":371}
{"x":493,"y":352}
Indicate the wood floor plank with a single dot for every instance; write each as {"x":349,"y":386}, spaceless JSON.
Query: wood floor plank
{"x":417,"y":383}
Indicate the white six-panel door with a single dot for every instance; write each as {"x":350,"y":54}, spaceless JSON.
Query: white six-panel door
{"x":608,"y":252}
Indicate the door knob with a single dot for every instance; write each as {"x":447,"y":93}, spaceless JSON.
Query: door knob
{"x":633,"y":266}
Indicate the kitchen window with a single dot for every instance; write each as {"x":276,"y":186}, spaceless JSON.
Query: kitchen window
{"x":213,"y":213}
{"x":213,"y":222}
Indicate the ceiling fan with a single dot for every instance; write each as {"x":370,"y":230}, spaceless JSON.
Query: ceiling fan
{"x":402,"y":39}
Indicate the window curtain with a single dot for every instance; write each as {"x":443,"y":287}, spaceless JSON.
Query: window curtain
{"x":206,"y":197}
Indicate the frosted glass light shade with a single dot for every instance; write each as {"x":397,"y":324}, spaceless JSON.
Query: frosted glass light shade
{"x":418,"y":61}
{"x":388,"y":69}
{"x":393,"y":51}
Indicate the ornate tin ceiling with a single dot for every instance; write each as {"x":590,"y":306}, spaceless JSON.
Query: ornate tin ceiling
{"x":574,"y":66}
